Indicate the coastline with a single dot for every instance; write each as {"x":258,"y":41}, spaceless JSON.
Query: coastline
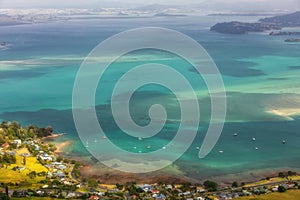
{"x":172,"y":174}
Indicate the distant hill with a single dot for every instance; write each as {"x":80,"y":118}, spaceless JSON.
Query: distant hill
{"x":154,"y":7}
{"x":289,"y":20}
{"x":169,"y":15}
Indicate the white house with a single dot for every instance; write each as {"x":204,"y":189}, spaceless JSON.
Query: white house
{"x":18,"y":142}
{"x":46,"y":157}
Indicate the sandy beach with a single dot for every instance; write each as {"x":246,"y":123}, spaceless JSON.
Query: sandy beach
{"x":61,"y":146}
{"x":287,"y":113}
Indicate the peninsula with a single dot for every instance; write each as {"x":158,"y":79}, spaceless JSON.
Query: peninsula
{"x":265,"y":24}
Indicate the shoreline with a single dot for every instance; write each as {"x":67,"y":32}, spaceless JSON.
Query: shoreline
{"x":172,"y":174}
{"x":53,"y":136}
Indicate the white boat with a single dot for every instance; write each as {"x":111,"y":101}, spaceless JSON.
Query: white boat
{"x":253,"y":139}
{"x":221,"y":151}
{"x":235,"y":134}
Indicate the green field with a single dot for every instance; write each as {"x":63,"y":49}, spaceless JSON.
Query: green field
{"x":8,"y":175}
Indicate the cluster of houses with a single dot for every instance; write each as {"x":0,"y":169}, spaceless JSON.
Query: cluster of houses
{"x":5,"y":147}
{"x":231,"y":193}
{"x":153,"y":191}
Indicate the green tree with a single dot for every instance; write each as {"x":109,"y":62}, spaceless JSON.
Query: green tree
{"x":32,"y":174}
{"x":210,"y":185}
{"x":281,"y":189}
{"x":9,"y":159}
{"x":119,"y":186}
{"x":24,"y":160}
{"x":235,"y":184}
{"x":59,"y":159}
{"x":4,"y":124}
{"x":92,"y":183}
{"x":281,"y":174}
{"x":6,"y":192}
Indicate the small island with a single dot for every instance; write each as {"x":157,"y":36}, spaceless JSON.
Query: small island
{"x":292,"y":40}
{"x":266,"y":24}
{"x":284,"y":33}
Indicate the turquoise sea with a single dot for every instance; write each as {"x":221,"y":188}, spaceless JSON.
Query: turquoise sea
{"x":260,"y":72}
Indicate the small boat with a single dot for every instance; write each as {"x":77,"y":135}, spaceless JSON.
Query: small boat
{"x":140,"y":138}
{"x":283,"y":141}
{"x":235,"y":134}
{"x":253,"y":139}
{"x":164,"y":147}
{"x":134,"y":147}
{"x":140,"y":151}
{"x":197,"y":148}
{"x":148,"y":147}
{"x":221,"y":151}
{"x":256,"y":148}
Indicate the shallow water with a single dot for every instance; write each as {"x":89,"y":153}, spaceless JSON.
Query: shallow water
{"x":260,"y":72}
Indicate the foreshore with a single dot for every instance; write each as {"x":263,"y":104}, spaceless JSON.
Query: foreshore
{"x":172,"y":174}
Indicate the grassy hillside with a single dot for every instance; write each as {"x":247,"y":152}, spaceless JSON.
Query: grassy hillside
{"x":289,"y":195}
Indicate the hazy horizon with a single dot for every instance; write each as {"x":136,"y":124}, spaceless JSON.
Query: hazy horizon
{"x":234,"y":5}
